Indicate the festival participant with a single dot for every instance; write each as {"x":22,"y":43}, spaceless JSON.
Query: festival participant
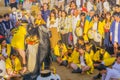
{"x":8,"y":26}
{"x":61,"y":4}
{"x":89,"y":50}
{"x":103,"y":57}
{"x":85,"y":65}
{"x":13,"y":65}
{"x":13,"y":4}
{"x":17,"y":43}
{"x":80,"y":25}
{"x":72,"y":7}
{"x":2,"y":27}
{"x":95,"y":31}
{"x":76,"y":17}
{"x":108,"y":73}
{"x":45,"y":12}
{"x":63,"y":28}
{"x":90,"y":5}
{"x":27,"y":4}
{"x":6,"y":2}
{"x":52,"y":24}
{"x":60,"y":51}
{"x":115,"y":32}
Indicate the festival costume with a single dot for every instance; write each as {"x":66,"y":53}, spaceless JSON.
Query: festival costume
{"x":18,"y":39}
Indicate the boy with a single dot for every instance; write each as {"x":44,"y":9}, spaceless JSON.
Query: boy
{"x":60,"y":51}
{"x":108,"y":74}
{"x":86,"y":63}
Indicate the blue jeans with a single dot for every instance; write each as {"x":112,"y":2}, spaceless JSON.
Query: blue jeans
{"x":6,"y":2}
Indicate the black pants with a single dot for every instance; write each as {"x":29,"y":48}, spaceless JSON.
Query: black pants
{"x":64,"y":38}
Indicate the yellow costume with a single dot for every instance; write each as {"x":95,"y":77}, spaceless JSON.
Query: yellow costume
{"x":107,"y":59}
{"x":74,"y":57}
{"x":16,"y":67}
{"x":18,"y":39}
{"x":39,"y":21}
{"x":8,"y":49}
{"x":91,"y":53}
{"x":62,"y":53}
{"x":89,"y":61}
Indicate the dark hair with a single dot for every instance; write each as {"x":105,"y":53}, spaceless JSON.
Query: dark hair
{"x":1,"y":40}
{"x":81,"y":38}
{"x":6,"y":15}
{"x":64,"y":12}
{"x":101,"y":67}
{"x":118,"y":54}
{"x":82,"y":14}
{"x":81,"y":47}
{"x":96,"y":15}
{"x":116,"y":14}
{"x":59,"y":42}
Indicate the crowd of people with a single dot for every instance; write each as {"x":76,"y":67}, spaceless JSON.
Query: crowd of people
{"x":78,"y":34}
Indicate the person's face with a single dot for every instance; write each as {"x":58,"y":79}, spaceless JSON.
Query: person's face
{"x":60,"y":13}
{"x":4,"y":43}
{"x":63,"y":14}
{"x":81,"y":42}
{"x":91,"y":13}
{"x":95,"y":18}
{"x":81,"y":51}
{"x":1,"y":19}
{"x":45,"y":6}
{"x":82,"y":17}
{"x":116,"y":18}
{"x":118,"y":60}
{"x":108,"y":16}
{"x":39,"y":16}
{"x":7,"y":17}
{"x":117,"y":9}
{"x":52,"y":15}
{"x":87,"y":48}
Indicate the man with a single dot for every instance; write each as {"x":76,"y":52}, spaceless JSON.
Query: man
{"x":2,"y":30}
{"x":115,"y":31}
{"x":45,"y":12}
{"x":108,"y":73}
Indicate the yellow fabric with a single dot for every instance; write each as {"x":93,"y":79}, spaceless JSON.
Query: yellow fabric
{"x":39,"y":22}
{"x":91,"y":54}
{"x":18,"y":39}
{"x":74,"y":57}
{"x":109,"y":61}
{"x":8,"y":49}
{"x":17,"y":66}
{"x":57,"y":53}
{"x":86,"y":28}
{"x":97,"y":56}
{"x":89,"y":61}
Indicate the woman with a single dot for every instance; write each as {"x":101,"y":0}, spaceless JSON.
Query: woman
{"x":63,"y":28}
{"x":52,"y":24}
{"x":107,"y":24}
{"x":18,"y":43}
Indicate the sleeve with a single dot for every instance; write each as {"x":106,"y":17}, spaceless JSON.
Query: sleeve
{"x":108,"y":76}
{"x":111,"y":29}
{"x":48,"y":23}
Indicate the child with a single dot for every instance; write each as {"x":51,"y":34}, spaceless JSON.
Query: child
{"x":13,"y":65}
{"x":60,"y":51}
{"x":102,"y":56}
{"x":86,"y":63}
{"x":108,"y":74}
{"x":88,"y":48}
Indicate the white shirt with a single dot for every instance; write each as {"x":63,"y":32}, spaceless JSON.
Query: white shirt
{"x":106,"y":6}
{"x":116,"y":66}
{"x":111,"y":74}
{"x":89,"y":6}
{"x":82,"y":61}
{"x":95,"y":26}
{"x":116,"y":32}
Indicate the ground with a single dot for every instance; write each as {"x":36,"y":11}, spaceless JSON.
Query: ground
{"x":64,"y":72}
